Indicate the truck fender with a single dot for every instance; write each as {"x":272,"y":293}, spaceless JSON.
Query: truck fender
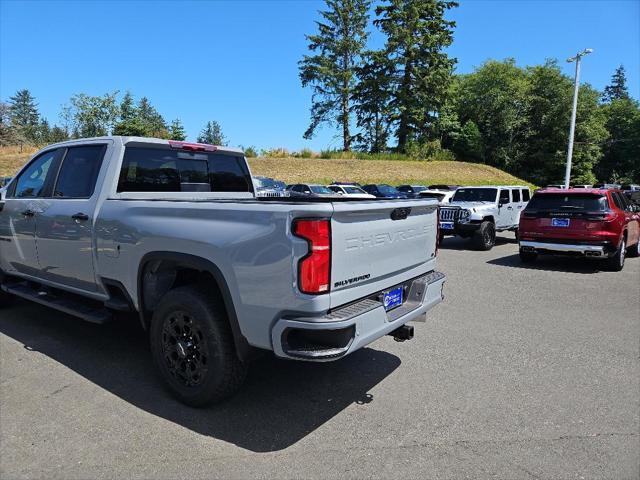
{"x":243,"y":349}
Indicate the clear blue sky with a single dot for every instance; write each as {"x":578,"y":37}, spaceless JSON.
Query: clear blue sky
{"x":236,"y":61}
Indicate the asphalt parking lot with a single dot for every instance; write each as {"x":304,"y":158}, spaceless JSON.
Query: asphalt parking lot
{"x":523,"y":372}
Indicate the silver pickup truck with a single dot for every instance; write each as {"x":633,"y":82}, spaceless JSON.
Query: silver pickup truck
{"x":171,"y":233}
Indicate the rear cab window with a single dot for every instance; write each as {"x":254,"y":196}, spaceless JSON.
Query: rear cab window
{"x":526,"y":196}
{"x":148,"y":169}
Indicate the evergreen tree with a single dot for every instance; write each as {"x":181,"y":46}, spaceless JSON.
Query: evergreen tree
{"x":618,"y":88}
{"x":153,"y":122}
{"x":7,"y":131}
{"x":24,"y":114}
{"x":43,"y":132}
{"x":417,"y":33}
{"x":176,"y":130}
{"x":372,"y":98}
{"x":127,"y":108}
{"x":58,"y":134}
{"x":212,"y":134}
{"x":330,"y":70}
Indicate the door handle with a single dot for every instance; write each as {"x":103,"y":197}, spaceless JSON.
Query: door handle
{"x":509,"y":208}
{"x":80,"y":216}
{"x":28,"y":213}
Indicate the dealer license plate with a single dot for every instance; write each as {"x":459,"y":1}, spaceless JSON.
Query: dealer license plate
{"x":392,"y":298}
{"x":559,"y":222}
{"x":446,"y":225}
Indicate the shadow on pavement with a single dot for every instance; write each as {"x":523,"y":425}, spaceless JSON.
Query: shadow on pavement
{"x":280,"y":403}
{"x":552,"y":263}
{"x":459,"y":243}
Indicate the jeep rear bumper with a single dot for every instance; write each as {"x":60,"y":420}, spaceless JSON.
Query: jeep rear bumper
{"x":346,"y":329}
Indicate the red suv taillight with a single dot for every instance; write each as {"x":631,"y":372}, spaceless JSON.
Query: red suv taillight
{"x":314,"y":268}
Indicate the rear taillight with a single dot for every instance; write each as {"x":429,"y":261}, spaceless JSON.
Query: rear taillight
{"x":314,"y":268}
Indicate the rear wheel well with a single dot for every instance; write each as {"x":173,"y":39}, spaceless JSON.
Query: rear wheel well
{"x":161,"y":272}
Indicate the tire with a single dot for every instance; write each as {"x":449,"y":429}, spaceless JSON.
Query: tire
{"x":6,"y":299}
{"x":440,"y":238}
{"x":634,"y":251}
{"x":193,"y":349}
{"x":485,"y":237}
{"x":528,"y":257}
{"x":616,"y":262}
{"x":516,"y":233}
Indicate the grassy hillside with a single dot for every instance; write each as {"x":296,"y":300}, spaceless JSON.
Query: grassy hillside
{"x":317,"y":170}
{"x":11,"y":159}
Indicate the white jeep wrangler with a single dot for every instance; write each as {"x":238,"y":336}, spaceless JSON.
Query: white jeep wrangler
{"x":479,"y":212}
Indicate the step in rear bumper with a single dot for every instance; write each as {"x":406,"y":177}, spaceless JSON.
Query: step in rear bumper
{"x":349,"y":328}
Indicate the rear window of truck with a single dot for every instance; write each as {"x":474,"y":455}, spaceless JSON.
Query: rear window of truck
{"x":162,"y":170}
{"x":589,"y":203}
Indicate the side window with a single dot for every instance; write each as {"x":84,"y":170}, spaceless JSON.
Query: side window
{"x":504,"y":196}
{"x":525,"y":195}
{"x":79,"y":172}
{"x":33,"y":180}
{"x":617,"y":201}
{"x":516,"y":195}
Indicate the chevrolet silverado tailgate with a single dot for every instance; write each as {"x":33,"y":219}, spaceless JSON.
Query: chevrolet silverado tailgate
{"x":378,"y":244}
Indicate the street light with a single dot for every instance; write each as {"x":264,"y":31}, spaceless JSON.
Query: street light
{"x":572,"y":128}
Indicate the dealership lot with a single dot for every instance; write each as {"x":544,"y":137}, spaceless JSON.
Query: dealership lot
{"x":523,"y":372}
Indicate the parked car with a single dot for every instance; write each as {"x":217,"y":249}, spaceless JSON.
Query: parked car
{"x":382,"y":190}
{"x":346,"y":183}
{"x":173,"y":234}
{"x":606,"y":185}
{"x":451,"y":188}
{"x":443,"y":196}
{"x":310,"y":190}
{"x":412,"y":191}
{"x":594,"y":223}
{"x":349,"y":191}
{"x":268,"y":187}
{"x":479,"y":212}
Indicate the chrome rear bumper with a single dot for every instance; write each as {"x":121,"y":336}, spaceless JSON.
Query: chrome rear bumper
{"x":588,"y":250}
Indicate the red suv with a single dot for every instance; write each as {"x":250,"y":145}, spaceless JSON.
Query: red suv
{"x":590,"y":222}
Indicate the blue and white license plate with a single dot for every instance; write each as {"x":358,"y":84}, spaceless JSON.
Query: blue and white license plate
{"x":392,"y":298}
{"x":446,"y":225}
{"x":559,"y":222}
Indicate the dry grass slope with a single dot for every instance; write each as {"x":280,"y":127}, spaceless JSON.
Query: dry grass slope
{"x":11,"y":159}
{"x":317,"y":170}
{"x":293,"y":170}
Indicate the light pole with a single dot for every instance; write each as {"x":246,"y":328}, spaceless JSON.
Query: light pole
{"x":572,"y":128}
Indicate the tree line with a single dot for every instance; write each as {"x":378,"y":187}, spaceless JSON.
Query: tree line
{"x":406,"y":98}
{"x":92,"y":116}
